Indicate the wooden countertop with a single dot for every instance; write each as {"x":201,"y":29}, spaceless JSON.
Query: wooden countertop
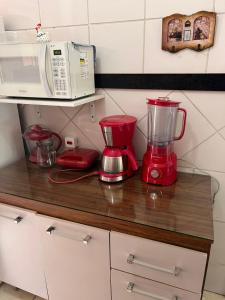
{"x":180,"y":214}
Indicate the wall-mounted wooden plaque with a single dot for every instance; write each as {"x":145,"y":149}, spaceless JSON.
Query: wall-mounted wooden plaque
{"x":195,"y":32}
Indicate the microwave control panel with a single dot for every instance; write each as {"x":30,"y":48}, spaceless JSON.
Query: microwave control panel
{"x":59,"y":70}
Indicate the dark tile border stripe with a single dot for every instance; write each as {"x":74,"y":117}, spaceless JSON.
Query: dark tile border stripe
{"x":197,"y":82}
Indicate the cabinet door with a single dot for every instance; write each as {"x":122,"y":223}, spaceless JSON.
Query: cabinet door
{"x":20,"y":257}
{"x":76,"y":260}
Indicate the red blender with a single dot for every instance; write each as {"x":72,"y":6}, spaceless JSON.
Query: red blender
{"x":118,"y":160}
{"x":160,"y":161}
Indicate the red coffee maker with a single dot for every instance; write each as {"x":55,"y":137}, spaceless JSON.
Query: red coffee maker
{"x":118,"y":158}
{"x":160,"y":161}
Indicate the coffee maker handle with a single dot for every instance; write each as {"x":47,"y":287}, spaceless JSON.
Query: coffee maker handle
{"x":59,"y":141}
{"x":183,"y":124}
{"x":131,"y":159}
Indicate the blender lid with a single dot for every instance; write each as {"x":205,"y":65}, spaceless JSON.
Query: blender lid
{"x":162,"y":102}
{"x":117,"y":120}
{"x":37,"y":133}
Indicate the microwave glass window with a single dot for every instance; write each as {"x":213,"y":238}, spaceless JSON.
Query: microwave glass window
{"x":20,"y":69}
{"x":57,"y":52}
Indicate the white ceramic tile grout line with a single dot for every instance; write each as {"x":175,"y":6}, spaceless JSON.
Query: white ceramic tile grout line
{"x":87,"y":137}
{"x":88,"y":16}
{"x":114,"y":101}
{"x":195,"y":147}
{"x":98,"y":23}
{"x":138,"y":128}
{"x":189,"y":99}
{"x":144,"y":32}
{"x":210,"y":123}
{"x":39,"y":12}
{"x":209,"y":50}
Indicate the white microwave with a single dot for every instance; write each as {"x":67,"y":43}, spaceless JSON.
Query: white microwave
{"x":63,"y":70}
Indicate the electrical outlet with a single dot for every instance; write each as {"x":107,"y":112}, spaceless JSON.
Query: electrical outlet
{"x":71,"y":142}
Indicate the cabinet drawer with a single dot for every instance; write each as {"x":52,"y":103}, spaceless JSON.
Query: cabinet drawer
{"x":165,"y":263}
{"x":130,"y":287}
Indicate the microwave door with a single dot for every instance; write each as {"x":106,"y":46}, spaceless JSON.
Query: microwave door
{"x":23,"y":71}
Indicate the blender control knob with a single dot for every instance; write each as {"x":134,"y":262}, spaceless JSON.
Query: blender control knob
{"x":155,"y":173}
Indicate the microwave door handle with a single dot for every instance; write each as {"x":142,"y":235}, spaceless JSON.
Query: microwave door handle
{"x":43,"y":69}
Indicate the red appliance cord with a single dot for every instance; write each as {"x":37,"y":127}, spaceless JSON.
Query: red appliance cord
{"x":53,"y":180}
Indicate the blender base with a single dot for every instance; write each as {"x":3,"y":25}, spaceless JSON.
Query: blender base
{"x":159,"y":170}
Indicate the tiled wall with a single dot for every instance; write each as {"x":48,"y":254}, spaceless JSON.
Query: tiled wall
{"x":127,"y":34}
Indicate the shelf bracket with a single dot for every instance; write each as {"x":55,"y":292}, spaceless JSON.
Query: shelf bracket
{"x":92,"y":111}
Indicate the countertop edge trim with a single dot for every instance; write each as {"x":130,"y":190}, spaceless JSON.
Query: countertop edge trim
{"x":109,"y":223}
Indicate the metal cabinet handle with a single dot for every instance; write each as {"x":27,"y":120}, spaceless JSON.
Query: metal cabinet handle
{"x":16,"y":220}
{"x":132,"y":260}
{"x":132,"y":289}
{"x":84,"y":240}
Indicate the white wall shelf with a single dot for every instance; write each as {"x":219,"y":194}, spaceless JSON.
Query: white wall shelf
{"x":53,"y":102}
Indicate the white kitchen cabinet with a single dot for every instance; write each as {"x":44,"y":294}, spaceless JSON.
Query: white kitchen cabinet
{"x":76,"y":260}
{"x":20,"y":259}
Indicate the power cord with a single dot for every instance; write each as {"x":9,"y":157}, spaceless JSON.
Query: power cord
{"x":53,"y":174}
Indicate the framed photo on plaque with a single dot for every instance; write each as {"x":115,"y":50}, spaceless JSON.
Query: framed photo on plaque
{"x":195,"y":32}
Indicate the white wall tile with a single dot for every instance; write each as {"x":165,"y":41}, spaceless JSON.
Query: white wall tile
{"x":216,"y":61}
{"x":53,"y":117}
{"x":92,"y":129}
{"x":63,"y":12}
{"x":219,"y":5}
{"x":119,"y":47}
{"x":209,"y":155}
{"x":192,"y":137}
{"x":143,"y":126}
{"x":29,"y":116}
{"x":26,"y":36}
{"x":215,"y":279}
{"x":77,"y":34}
{"x":19,"y":14}
{"x":133,"y":102}
{"x":211,"y":104}
{"x":160,"y":61}
{"x":162,"y":8}
{"x":72,"y":130}
{"x":217,"y":255}
{"x":116,"y":10}
{"x":222,"y":131}
{"x":71,"y":111}
{"x":140,"y":144}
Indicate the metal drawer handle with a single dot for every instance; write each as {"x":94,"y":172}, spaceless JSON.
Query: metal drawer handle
{"x":132,"y":289}
{"x":84,"y":240}
{"x":132,"y":260}
{"x":16,"y":220}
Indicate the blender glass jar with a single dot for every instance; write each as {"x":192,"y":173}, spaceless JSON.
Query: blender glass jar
{"x":162,"y":118}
